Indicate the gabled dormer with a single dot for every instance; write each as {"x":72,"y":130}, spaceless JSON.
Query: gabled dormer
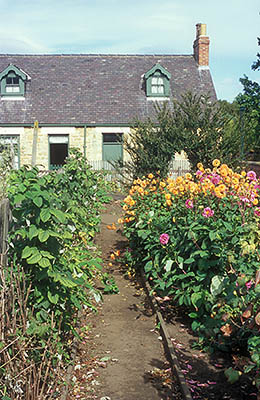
{"x":157,"y":82}
{"x":12,"y":81}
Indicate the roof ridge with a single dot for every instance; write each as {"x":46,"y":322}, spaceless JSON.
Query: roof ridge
{"x":94,"y":55}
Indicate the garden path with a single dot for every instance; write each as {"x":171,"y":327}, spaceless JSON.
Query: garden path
{"x":122,"y":357}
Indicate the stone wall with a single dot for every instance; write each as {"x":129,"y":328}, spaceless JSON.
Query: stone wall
{"x":94,"y":141}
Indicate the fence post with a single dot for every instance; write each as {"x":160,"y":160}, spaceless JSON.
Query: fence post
{"x":4,"y":227}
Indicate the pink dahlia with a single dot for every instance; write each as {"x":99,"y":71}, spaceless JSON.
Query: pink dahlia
{"x":164,"y":238}
{"x":251,"y":175}
{"x":208,"y":212}
{"x":189,"y":203}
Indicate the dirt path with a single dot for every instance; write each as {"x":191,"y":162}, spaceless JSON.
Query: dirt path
{"x":122,"y":356}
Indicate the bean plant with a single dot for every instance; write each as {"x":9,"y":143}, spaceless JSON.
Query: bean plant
{"x":53,"y":257}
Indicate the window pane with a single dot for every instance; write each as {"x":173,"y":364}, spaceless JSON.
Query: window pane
{"x":154,"y":89}
{"x":12,"y":80}
{"x":112,"y":137}
{"x":58,"y":155}
{"x":154,"y":80}
{"x":61,"y":139}
{"x":160,"y":89}
{"x":12,"y":89}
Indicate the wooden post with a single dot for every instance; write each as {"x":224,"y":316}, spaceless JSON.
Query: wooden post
{"x":4,"y":227}
{"x":35,"y":139}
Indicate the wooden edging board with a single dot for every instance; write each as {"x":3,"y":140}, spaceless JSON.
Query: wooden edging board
{"x":175,"y":366}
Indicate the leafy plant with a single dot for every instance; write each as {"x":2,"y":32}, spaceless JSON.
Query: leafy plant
{"x":110,"y":284}
{"x":55,"y":264}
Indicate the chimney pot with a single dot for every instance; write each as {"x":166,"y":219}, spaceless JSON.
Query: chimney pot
{"x":201,"y":45}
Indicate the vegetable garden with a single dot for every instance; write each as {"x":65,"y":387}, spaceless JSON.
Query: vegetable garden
{"x":197,"y":239}
{"x":51,"y":276}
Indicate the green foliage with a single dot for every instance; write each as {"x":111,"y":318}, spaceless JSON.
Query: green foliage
{"x":204,"y":130}
{"x":249,"y":102}
{"x":207,"y":130}
{"x":55,"y":217}
{"x":110,"y":284}
{"x":232,"y":375}
{"x":256,"y":64}
{"x":151,"y":145}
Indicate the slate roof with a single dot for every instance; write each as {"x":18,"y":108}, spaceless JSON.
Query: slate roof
{"x":95,"y":89}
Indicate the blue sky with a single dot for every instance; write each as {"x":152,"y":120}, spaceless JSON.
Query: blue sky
{"x":138,"y":27}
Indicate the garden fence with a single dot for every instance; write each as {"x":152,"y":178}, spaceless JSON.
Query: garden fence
{"x":5,"y":216}
{"x":177,"y":168}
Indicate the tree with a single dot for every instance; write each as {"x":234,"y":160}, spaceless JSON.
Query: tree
{"x":151,"y":145}
{"x":204,"y":130}
{"x":256,"y":64}
{"x":209,"y":131}
{"x":249,"y":102}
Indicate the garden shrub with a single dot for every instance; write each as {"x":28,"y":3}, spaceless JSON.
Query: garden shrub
{"x":197,"y":239}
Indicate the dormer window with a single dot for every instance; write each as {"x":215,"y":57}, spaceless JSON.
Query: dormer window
{"x":157,"y":82}
{"x":13,"y":81}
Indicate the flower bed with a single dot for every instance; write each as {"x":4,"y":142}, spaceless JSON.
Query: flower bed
{"x":197,"y":239}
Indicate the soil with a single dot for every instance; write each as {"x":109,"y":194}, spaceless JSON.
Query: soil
{"x":121,"y":355}
{"x":204,"y":372}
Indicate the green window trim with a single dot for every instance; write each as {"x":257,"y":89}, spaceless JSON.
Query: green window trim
{"x":157,"y":82}
{"x":12,"y":81}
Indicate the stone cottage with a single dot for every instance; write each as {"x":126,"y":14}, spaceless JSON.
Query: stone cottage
{"x":49,"y":103}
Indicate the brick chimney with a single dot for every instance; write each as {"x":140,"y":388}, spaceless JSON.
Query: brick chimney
{"x":201,"y":46}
